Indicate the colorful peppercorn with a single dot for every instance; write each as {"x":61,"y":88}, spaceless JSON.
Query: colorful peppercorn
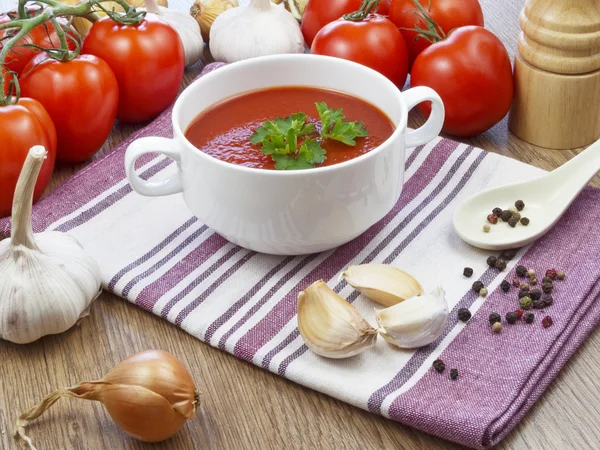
{"x":520,"y":313}
{"x":477,"y":286}
{"x":505,"y":286}
{"x":547,"y":280}
{"x":439,"y":365}
{"x":493,"y":219}
{"x":453,"y":374}
{"x":483,"y":292}
{"x":531,"y":273}
{"x":524,"y":221}
{"x":535,"y":294}
{"x":519,"y":205}
{"x":533,"y":281}
{"x":526,"y":303}
{"x":513,"y":222}
{"x":551,"y":273}
{"x":491,"y":261}
{"x":506,"y":215}
{"x":516,"y":283}
{"x":522,"y":294}
{"x":497,"y":327}
{"x":486,"y":227}
{"x":500,"y":264}
{"x":521,"y":270}
{"x":528,"y":317}
{"x":548,"y":300}
{"x":547,"y":322}
{"x":497,"y":211}
{"x":524,"y":287}
{"x":494,"y":317}
{"x":464,"y":314}
{"x":516,"y":216}
{"x":509,"y":254}
{"x":468,"y":272}
{"x":512,"y":317}
{"x":547,"y":288}
{"x":538,"y":304}
{"x":561,"y":275}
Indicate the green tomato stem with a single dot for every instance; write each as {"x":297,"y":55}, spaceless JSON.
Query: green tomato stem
{"x":366,"y":8}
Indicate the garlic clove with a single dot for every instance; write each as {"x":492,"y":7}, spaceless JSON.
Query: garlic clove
{"x":416,"y":322}
{"x":382,"y":283}
{"x":206,"y":11}
{"x":330,"y":326}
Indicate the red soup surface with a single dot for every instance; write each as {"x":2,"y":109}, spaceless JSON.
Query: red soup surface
{"x":224,"y":130}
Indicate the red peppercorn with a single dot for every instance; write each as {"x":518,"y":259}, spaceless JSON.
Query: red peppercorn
{"x":547,"y":321}
{"x":552,"y":273}
{"x":516,"y":283}
{"x":493,"y":219}
{"x":520,"y":313}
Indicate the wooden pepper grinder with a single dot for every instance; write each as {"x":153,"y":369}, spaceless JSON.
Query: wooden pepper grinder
{"x":557,"y":74}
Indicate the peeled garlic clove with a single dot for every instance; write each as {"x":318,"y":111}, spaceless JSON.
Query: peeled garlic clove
{"x":416,"y":322}
{"x":382,"y":283}
{"x":330,"y":326}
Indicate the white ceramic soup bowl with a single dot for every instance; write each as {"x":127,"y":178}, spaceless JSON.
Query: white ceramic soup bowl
{"x":289,"y":212}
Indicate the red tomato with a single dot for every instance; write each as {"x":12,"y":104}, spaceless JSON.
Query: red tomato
{"x":447,"y":14}
{"x":147,"y":60}
{"x":319,"y":13}
{"x":43,"y":36}
{"x":21,"y":127}
{"x":471,"y":72}
{"x":374,"y":42}
{"x":81,"y":96}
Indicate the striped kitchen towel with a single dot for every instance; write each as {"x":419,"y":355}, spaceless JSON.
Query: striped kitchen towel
{"x":155,"y":254}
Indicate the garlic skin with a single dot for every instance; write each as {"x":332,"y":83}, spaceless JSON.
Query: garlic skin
{"x":47,"y":281}
{"x":416,"y":322}
{"x":330,"y":326}
{"x":261,"y":28}
{"x":382,"y":283}
{"x":185,"y":25}
{"x":206,"y":11}
{"x":297,"y":8}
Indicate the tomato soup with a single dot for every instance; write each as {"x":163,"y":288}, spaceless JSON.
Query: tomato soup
{"x":224,"y":130}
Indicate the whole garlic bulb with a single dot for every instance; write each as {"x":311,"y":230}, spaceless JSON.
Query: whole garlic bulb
{"x":185,"y":25}
{"x":258,"y":29}
{"x":206,"y":12}
{"x":47,"y":281}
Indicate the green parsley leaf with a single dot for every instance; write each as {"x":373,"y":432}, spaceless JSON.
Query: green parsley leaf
{"x":287,"y":162}
{"x":312,"y":152}
{"x":333,"y":126}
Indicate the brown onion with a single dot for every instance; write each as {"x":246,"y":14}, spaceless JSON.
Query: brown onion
{"x":149,"y":395}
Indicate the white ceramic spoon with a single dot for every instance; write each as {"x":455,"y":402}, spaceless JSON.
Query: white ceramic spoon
{"x":546,"y":199}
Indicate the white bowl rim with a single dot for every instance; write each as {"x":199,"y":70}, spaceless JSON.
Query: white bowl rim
{"x":400,"y":128}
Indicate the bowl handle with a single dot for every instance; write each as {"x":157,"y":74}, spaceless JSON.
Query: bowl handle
{"x":142,"y":146}
{"x":433,"y":126}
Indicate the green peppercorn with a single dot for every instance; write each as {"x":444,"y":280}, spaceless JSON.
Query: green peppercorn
{"x":497,"y":211}
{"x":512,"y":317}
{"x":439,"y":365}
{"x":524,"y":221}
{"x":468,"y":272}
{"x":526,"y":303}
{"x":453,"y":374}
{"x":521,"y":270}
{"x":528,"y":317}
{"x":494,"y":317}
{"x":491,"y":261}
{"x":505,"y":286}
{"x":535,"y":294}
{"x":477,"y":286}
{"x":516,"y":216}
{"x":506,"y":215}
{"x":561,"y":275}
{"x":497,"y":327}
{"x":464,"y":314}
{"x":512,"y":222}
{"x":519,"y":205}
{"x":483,"y":292}
{"x":500,"y":264}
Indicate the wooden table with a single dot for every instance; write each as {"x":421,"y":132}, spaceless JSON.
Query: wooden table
{"x":244,"y":407}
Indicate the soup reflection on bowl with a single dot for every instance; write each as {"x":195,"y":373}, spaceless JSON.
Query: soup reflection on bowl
{"x":236,"y":127}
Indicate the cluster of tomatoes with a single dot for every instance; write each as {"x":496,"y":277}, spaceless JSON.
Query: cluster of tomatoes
{"x":441,"y":42}
{"x":130,"y":73}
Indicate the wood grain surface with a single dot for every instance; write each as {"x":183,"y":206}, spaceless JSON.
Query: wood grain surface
{"x":244,"y":407}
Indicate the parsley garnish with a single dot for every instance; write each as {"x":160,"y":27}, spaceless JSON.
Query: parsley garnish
{"x":280,"y":137}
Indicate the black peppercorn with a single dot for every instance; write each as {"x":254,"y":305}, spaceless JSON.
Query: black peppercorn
{"x":453,"y":374}
{"x":495,"y":317}
{"x":500,"y":264}
{"x":506,"y":215}
{"x":513,"y":222}
{"x":548,"y":300}
{"x":521,"y":270}
{"x":524,"y":221}
{"x":523,"y":294}
{"x":497,"y":211}
{"x":547,"y":280}
{"x":512,"y":317}
{"x":491,"y":261}
{"x":509,"y":254}
{"x":538,"y":304}
{"x":520,"y":205}
{"x":464,"y":314}
{"x":505,"y":286}
{"x":535,"y":294}
{"x":468,"y":272}
{"x":528,"y":317}
{"x":477,"y":286}
{"x":439,"y":365}
{"x":547,"y":288}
